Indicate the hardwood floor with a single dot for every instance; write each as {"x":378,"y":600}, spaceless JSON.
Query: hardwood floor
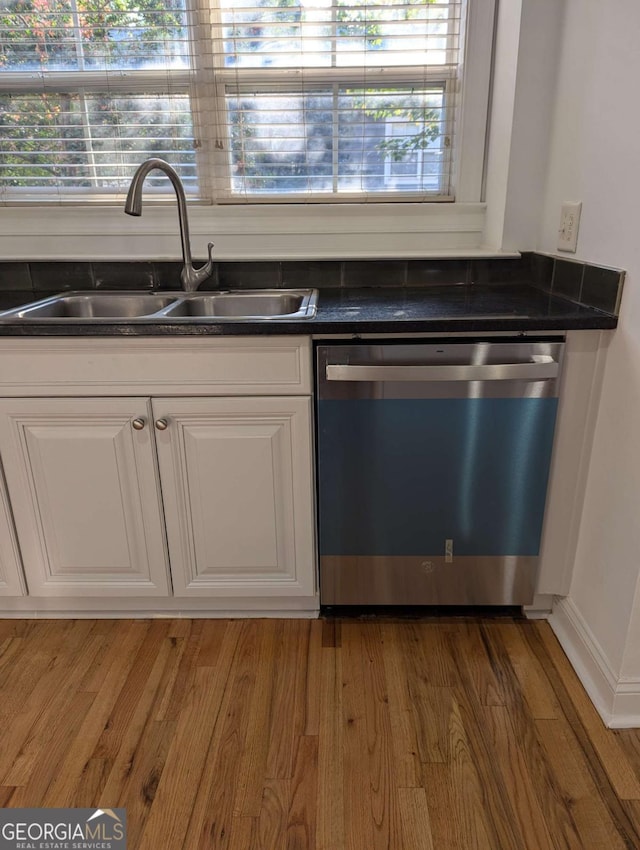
{"x":369,"y":734}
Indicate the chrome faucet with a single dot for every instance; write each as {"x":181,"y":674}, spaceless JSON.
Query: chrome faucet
{"x":191,"y":278}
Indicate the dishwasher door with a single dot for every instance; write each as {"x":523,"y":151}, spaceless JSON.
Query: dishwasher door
{"x":433,"y":462}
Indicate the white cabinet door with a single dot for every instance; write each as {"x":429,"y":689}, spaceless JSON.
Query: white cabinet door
{"x":11,"y":580}
{"x":237,"y":487}
{"x":85,"y":495}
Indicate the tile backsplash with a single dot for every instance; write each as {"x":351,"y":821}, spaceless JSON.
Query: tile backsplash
{"x":594,"y":286}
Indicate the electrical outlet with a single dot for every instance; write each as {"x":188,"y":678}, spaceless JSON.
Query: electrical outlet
{"x":569,"y":224}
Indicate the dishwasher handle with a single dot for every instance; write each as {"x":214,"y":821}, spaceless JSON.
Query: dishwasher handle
{"x":540,"y":368}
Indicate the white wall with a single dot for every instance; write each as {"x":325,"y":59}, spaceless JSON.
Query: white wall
{"x":595,"y":158}
{"x":524,"y":84}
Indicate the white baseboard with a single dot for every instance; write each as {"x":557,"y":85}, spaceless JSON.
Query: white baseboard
{"x":303,"y":614}
{"x":61,"y":608}
{"x":616,"y":700}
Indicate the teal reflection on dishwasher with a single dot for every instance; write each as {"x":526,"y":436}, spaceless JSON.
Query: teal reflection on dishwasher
{"x":401,"y":476}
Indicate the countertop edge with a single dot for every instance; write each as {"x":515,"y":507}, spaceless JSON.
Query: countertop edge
{"x":312,"y":328}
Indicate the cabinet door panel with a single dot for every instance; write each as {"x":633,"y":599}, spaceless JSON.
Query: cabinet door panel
{"x":85,"y":494}
{"x":11,"y":580}
{"x":237,"y":489}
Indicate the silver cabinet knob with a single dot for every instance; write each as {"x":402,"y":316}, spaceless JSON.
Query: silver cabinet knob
{"x":138,"y":424}
{"x":162,"y":424}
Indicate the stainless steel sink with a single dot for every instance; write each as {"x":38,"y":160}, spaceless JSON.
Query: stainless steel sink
{"x":92,"y":306}
{"x":125,"y":307}
{"x":254,"y":304}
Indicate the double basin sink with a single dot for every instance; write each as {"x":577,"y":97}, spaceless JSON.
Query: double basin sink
{"x":243,"y":305}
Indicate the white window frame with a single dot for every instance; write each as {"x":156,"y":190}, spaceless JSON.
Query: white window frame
{"x":471,"y":134}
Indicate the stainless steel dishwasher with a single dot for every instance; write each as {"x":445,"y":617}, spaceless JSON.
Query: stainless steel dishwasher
{"x":433,"y":462}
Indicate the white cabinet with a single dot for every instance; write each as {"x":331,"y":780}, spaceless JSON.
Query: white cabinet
{"x":84,"y":492}
{"x":237,"y":491}
{"x":152,"y":472}
{"x":11,"y":579}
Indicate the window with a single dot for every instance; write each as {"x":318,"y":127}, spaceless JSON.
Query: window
{"x":310,"y":89}
{"x":251,"y":100}
{"x":88,"y":89}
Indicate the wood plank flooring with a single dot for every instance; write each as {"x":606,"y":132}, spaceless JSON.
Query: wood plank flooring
{"x":448,"y":734}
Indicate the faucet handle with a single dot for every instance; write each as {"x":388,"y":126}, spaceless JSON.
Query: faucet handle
{"x":192,"y":278}
{"x":207,"y":269}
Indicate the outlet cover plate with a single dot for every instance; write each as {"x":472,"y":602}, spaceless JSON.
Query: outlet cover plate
{"x":569,"y":225}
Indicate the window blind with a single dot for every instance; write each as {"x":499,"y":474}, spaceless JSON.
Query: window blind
{"x":250,"y":100}
{"x":89,"y":89}
{"x":335,"y":99}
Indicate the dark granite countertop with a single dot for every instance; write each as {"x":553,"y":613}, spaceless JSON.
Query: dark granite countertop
{"x":451,"y":308}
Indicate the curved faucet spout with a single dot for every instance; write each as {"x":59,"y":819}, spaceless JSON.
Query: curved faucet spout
{"x":191,"y":278}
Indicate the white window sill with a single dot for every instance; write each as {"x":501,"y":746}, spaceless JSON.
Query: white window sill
{"x":262,"y":232}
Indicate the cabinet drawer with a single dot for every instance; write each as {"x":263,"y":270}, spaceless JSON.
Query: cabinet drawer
{"x":146,"y":366}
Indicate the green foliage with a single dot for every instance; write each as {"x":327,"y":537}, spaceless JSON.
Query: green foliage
{"x":408,"y":108}
{"x":398,"y":149}
{"x":42,"y":134}
{"x":47,"y":33}
{"x":42,"y":137}
{"x":366,"y":20}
